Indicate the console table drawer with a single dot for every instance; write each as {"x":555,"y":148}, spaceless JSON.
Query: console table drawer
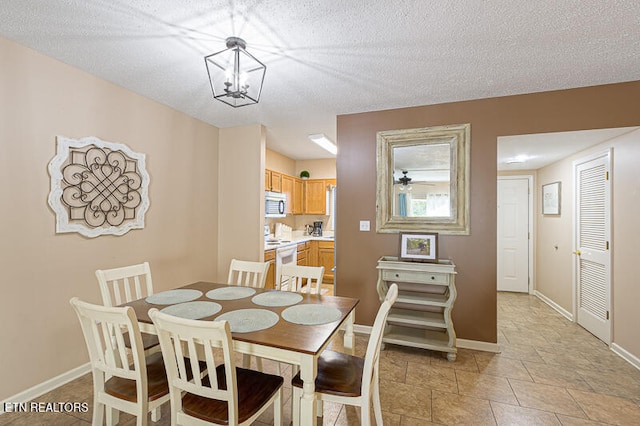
{"x":415,"y":277}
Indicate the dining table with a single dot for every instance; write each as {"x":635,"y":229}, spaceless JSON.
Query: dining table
{"x":283,"y":326}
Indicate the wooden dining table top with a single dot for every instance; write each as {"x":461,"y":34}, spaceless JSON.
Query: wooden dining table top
{"x":310,"y":339}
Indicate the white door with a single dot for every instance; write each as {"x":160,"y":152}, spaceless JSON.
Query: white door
{"x":513,"y":234}
{"x":593,"y":238}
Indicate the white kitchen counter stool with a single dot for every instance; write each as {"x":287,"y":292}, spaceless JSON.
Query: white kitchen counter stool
{"x":351,"y":380}
{"x":136,"y":387}
{"x":293,"y":278}
{"x":225,"y":395}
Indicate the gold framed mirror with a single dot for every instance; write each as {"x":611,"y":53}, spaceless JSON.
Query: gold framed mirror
{"x":423,"y":180}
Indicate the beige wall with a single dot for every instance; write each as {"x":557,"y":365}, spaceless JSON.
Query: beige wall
{"x":240,"y":196}
{"x":474,"y":314}
{"x":324,"y":168}
{"x":554,"y":237}
{"x":40,"y":271}
{"x":554,"y":267}
{"x":280,"y":163}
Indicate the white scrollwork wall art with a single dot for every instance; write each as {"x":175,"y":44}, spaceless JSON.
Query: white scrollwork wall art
{"x":98,"y":187}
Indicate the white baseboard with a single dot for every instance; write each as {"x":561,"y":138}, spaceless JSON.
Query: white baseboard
{"x":460,"y":343}
{"x":44,"y":387}
{"x":568,"y":315}
{"x":626,"y":355}
{"x":362,"y":329}
{"x":477,"y":345}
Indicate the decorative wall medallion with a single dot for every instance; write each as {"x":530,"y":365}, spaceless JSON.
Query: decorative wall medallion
{"x":98,"y":187}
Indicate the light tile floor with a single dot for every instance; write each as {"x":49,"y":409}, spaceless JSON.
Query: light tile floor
{"x":550,"y":372}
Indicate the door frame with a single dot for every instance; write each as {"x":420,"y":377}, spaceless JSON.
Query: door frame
{"x":530,"y":180}
{"x":607,"y":152}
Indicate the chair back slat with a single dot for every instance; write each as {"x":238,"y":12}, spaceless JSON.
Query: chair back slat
{"x":247,"y":273}
{"x":291,"y":278}
{"x":208,"y":341}
{"x":103,"y":329}
{"x":122,"y":285}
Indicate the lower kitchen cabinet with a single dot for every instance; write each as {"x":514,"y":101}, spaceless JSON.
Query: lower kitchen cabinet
{"x":270,"y":256}
{"x":321,"y":253}
{"x":303,"y":253}
{"x":326,"y":259}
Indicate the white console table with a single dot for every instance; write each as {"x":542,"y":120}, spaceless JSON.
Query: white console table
{"x":421,"y":316}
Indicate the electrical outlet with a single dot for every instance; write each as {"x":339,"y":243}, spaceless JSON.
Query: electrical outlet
{"x":365,"y":225}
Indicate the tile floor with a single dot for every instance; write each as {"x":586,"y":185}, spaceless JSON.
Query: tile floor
{"x":550,"y":372}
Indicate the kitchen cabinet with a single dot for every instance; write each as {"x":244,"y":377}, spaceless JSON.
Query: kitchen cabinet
{"x":421,"y":316}
{"x":326,"y":259}
{"x":287,"y":189}
{"x":272,"y":181}
{"x":270,"y":256}
{"x":315,"y":195}
{"x":321,"y":253}
{"x":303,"y":254}
{"x":298,"y":196}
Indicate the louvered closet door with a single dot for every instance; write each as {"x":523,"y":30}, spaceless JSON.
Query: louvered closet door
{"x":593,"y":233}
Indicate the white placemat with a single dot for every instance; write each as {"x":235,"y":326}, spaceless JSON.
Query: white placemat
{"x":193,"y":310}
{"x":311,"y":314}
{"x":277,"y":298}
{"x":230,"y":293}
{"x":248,"y":320}
{"x":171,"y":297}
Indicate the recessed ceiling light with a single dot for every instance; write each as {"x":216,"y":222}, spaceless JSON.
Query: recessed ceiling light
{"x":517,"y":159}
{"x":324,"y":142}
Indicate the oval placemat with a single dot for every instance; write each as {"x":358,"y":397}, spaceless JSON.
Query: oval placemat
{"x":193,"y":310}
{"x":277,"y":298}
{"x":248,"y":320}
{"x":230,"y":293}
{"x":311,"y":314}
{"x":171,"y":297}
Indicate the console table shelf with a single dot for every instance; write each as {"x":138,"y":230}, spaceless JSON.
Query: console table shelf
{"x":421,"y":316}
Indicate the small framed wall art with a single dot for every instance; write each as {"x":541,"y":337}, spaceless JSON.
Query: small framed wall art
{"x":419,"y":247}
{"x":551,"y":198}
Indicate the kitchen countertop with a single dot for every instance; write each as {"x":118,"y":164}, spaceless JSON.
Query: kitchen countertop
{"x":293,"y":241}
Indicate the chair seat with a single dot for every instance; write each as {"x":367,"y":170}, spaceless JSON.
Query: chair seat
{"x":156,"y":381}
{"x":148,"y":341}
{"x":254,"y":390}
{"x":338,"y":374}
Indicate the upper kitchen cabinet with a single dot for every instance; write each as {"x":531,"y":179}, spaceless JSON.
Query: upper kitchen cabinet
{"x":272,"y":181}
{"x":315,"y":195}
{"x":298,"y":196}
{"x":287,"y":189}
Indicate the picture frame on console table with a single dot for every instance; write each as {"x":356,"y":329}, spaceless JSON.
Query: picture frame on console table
{"x":419,"y":247}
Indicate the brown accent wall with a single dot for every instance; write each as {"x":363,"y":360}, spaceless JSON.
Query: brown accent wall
{"x":357,"y":252}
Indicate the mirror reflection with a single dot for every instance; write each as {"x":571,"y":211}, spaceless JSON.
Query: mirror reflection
{"x":421,"y":180}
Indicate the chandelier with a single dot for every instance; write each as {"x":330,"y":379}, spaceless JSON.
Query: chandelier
{"x":236,"y":76}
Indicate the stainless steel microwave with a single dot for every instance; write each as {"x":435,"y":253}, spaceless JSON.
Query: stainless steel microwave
{"x":275,"y":204}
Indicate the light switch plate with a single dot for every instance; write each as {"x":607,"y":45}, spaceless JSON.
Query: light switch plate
{"x":365,"y":225}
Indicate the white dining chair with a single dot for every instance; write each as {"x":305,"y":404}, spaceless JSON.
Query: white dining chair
{"x":247,"y":273}
{"x":226,"y":394}
{"x":123,"y":379}
{"x":125,"y":284}
{"x":299,"y":278}
{"x":350,"y":380}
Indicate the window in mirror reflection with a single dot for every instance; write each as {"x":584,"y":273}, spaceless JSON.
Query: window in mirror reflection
{"x":421,"y":180}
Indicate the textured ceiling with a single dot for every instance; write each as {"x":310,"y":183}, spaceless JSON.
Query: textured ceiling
{"x":326,"y":57}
